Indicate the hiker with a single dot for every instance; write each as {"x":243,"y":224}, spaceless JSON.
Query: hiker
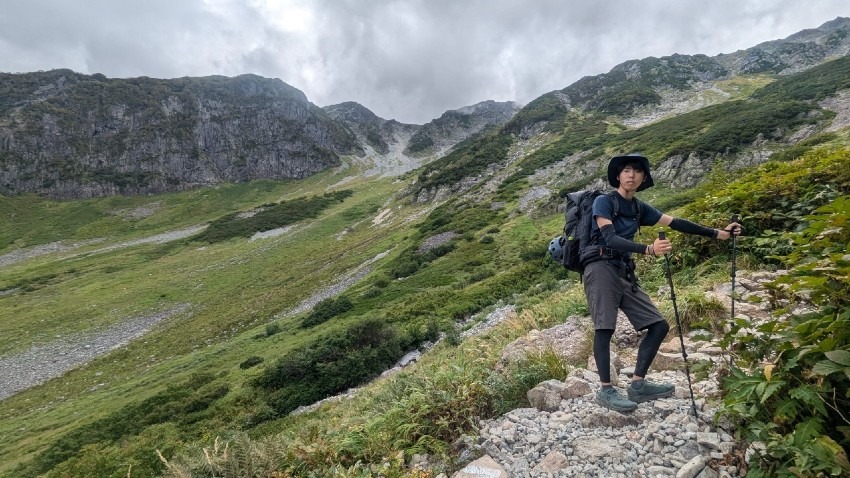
{"x":610,"y":282}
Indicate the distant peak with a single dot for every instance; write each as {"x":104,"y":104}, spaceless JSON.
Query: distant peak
{"x":352,"y":111}
{"x":488,"y":105}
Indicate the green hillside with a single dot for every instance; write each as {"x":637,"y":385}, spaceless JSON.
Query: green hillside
{"x":235,"y":353}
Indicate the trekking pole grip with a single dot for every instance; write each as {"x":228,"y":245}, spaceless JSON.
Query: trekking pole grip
{"x":662,"y":235}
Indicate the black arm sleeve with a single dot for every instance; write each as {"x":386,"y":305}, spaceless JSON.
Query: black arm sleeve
{"x":688,"y":227}
{"x":614,"y":241}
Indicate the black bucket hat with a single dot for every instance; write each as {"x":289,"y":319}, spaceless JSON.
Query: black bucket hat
{"x":616,"y":165}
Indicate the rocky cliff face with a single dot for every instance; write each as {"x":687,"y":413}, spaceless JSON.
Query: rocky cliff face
{"x":68,"y":135}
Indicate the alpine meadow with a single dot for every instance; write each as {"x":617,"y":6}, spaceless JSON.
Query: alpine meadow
{"x":213,"y":277}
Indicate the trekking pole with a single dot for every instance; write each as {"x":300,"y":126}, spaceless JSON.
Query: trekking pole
{"x":734,"y":254}
{"x":662,"y":235}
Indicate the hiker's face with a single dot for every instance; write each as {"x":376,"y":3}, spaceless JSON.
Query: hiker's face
{"x":631,"y":177}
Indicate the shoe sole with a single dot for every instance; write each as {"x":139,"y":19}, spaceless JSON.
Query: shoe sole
{"x":646,"y":398}
{"x":604,"y":404}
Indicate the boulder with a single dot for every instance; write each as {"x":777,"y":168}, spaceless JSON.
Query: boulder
{"x":484,"y":466}
{"x":571,"y":341}
{"x":546,"y":396}
{"x":554,"y":462}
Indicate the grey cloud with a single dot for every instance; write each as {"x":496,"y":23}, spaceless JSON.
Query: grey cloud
{"x":410,"y":60}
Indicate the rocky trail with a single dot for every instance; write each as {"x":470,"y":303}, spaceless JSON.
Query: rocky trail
{"x":564,"y":433}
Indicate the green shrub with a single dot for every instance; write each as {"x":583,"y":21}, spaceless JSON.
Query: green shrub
{"x":771,"y":199}
{"x":466,"y":160}
{"x":481,"y":274}
{"x":813,"y":84}
{"x":509,"y":389}
{"x":404,"y":266}
{"x":250,"y":362}
{"x":696,"y":311}
{"x":272,"y":329}
{"x":719,"y":129}
{"x":582,"y":132}
{"x":327,"y":309}
{"x":381,"y":282}
{"x":790,"y":386}
{"x":282,"y":214}
{"x":410,"y":261}
{"x":547,"y":108}
{"x":333,"y":363}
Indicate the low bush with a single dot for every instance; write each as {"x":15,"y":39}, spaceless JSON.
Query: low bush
{"x":334,"y":363}
{"x":272,"y":329}
{"x":250,"y":362}
{"x":282,"y":214}
{"x":326,"y":309}
{"x":771,"y":199}
{"x":790,"y":386}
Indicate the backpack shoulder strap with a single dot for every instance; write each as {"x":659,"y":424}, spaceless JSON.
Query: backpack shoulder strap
{"x":616,"y":204}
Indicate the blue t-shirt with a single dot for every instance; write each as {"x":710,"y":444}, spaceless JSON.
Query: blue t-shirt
{"x":625,"y":224}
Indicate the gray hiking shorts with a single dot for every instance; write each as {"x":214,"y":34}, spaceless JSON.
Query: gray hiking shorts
{"x":607,"y":290}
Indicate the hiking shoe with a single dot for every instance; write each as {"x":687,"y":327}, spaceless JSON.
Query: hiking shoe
{"x":612,"y":399}
{"x":650,"y":391}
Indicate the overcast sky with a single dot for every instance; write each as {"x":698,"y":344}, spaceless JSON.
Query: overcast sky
{"x":410,"y":60}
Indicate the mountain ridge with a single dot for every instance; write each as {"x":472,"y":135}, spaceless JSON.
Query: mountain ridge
{"x":68,"y":135}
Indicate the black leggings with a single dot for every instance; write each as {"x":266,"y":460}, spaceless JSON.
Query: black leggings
{"x":655,"y":334}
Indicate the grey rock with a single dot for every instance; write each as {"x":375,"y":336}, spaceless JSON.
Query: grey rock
{"x":554,"y":462}
{"x":692,"y":468}
{"x":546,"y":396}
{"x":709,"y":440}
{"x":575,"y":387}
{"x":482,"y":467}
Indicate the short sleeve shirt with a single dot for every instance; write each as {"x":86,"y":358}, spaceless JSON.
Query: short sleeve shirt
{"x":625,"y":224}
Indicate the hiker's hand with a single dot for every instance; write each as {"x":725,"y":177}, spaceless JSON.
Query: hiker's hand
{"x":662,"y":246}
{"x":732,"y":228}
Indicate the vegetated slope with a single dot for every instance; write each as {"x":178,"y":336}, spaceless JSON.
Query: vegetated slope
{"x":735,"y":133}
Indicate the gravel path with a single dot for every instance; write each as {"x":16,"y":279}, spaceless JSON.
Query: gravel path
{"x":335,"y":289}
{"x":28,"y":253}
{"x":157,"y":239}
{"x":581,"y":439}
{"x":19,"y":255}
{"x":43,"y":362}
